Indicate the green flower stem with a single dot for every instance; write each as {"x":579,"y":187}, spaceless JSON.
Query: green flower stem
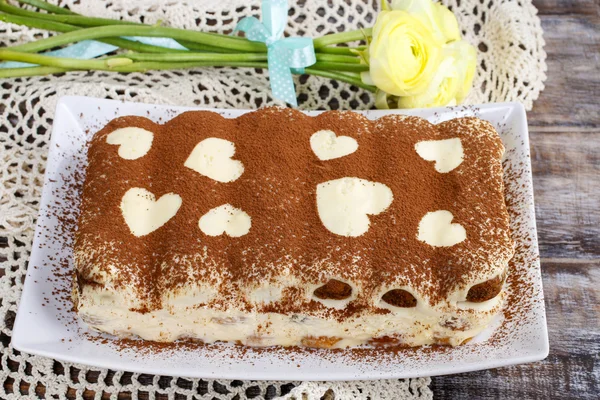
{"x":61,"y":62}
{"x":124,"y":43}
{"x":188,"y":56}
{"x":91,"y":21}
{"x":37,"y":23}
{"x":87,"y":22}
{"x":339,"y":76}
{"x":348,"y":51}
{"x":72,"y":19}
{"x":171,"y":59}
{"x":203,"y":47}
{"x":338,"y":58}
{"x":338,"y":63}
{"x":42,"y":5}
{"x":326,"y":40}
{"x":60,"y":27}
{"x":354,"y":75}
{"x":119,"y":64}
{"x":108,"y":31}
{"x":334,"y":66}
{"x":126,"y":63}
{"x":80,"y":20}
{"x":69,"y":21}
{"x":53,"y":65}
{"x":350,"y":62}
{"x":29,"y":71}
{"x":156,"y":65}
{"x":342,"y":37}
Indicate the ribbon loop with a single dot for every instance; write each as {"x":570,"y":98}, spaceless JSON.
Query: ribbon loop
{"x":285,"y":55}
{"x":274,"y":16}
{"x":254,"y":30}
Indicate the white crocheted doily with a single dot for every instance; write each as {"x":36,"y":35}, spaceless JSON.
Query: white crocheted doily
{"x":512,"y":68}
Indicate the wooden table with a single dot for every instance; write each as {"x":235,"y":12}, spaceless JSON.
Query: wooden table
{"x":564,"y":128}
{"x":565,"y":145}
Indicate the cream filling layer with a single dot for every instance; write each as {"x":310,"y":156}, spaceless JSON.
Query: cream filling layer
{"x":107,"y":311}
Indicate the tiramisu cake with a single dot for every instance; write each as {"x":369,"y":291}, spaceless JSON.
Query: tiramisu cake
{"x":276,"y":228}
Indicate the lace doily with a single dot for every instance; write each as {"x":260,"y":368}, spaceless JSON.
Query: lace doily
{"x":512,"y":68}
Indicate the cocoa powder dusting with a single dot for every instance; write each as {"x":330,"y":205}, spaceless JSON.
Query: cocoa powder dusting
{"x":278,"y":191}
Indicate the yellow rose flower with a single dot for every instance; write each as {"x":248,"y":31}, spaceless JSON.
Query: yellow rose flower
{"x":403,"y":54}
{"x":441,"y":20}
{"x":452,"y":81}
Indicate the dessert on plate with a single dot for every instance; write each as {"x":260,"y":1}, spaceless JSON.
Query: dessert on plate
{"x":276,"y":228}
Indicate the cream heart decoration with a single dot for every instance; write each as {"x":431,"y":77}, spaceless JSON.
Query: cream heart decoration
{"x":344,"y":204}
{"x":144,"y":214}
{"x":327,"y":146}
{"x":134,"y":142}
{"x":212,"y":158}
{"x":447,"y":154}
{"x":225,"y":219}
{"x":436,"y":229}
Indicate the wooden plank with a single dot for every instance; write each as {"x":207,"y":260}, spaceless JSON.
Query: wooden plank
{"x":572,"y":370}
{"x":566,"y":179}
{"x":572,"y":93}
{"x":562,"y":7}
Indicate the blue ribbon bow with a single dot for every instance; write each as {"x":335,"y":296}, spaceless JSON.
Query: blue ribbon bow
{"x":284,"y":55}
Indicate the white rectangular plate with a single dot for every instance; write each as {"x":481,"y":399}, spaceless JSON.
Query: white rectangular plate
{"x":45,"y":325}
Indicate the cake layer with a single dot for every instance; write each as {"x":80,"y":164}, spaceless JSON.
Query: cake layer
{"x":448,"y":324}
{"x":279,"y":228}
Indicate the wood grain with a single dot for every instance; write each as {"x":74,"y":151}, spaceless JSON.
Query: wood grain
{"x":571,"y":97}
{"x":563,"y":7}
{"x":566,"y":179}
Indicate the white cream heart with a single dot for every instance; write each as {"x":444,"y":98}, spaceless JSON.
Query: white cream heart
{"x":134,"y":142}
{"x":447,"y":154}
{"x":327,"y":146}
{"x":225,"y":219}
{"x":343,"y":204}
{"x":436,"y":229}
{"x":144,"y":214}
{"x":212,"y":158}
